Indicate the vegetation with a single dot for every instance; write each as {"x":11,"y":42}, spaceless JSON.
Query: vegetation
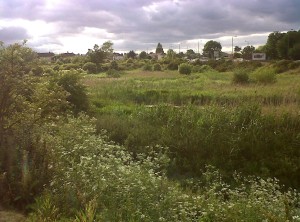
{"x":148,"y":145}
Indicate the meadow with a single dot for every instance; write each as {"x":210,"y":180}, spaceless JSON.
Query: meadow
{"x":130,"y":144}
{"x":204,"y":118}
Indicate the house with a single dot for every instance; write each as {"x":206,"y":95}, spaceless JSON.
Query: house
{"x":46,"y":55}
{"x":258,"y":56}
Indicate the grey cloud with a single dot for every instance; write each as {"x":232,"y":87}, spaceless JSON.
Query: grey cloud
{"x":165,"y":20}
{"x":13,"y":34}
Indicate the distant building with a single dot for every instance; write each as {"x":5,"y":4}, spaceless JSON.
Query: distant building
{"x":118,"y":56}
{"x":258,"y":56}
{"x":46,"y":55}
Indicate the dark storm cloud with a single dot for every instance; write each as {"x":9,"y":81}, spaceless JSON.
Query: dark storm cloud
{"x":13,"y":34}
{"x":140,"y":22}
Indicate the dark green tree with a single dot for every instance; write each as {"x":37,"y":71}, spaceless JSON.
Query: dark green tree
{"x":286,"y":44}
{"x":131,"y":54}
{"x":159,"y":49}
{"x":272,"y":43}
{"x":98,"y":54}
{"x":211,"y":47}
{"x":143,"y":55}
{"x":190,"y":54}
{"x":247,"y":52}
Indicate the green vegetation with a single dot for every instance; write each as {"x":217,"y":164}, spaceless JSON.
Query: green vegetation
{"x":148,"y":145}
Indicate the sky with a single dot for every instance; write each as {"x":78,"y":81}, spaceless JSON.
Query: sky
{"x":77,"y":25}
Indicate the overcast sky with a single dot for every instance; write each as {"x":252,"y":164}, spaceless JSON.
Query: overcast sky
{"x":76,"y":25}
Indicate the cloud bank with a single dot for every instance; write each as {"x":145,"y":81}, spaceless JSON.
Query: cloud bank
{"x":76,"y":25}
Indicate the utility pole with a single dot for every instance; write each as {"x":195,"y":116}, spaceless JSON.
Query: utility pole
{"x":232,"y":46}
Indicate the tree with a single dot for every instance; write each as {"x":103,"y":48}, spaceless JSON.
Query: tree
{"x":171,"y":54}
{"x":98,"y":54}
{"x":143,"y":55}
{"x":272,"y":43}
{"x":247,"y":52}
{"x":131,"y":54}
{"x":211,"y":47}
{"x":159,"y":49}
{"x":237,"y":49}
{"x":27,"y":104}
{"x":190,"y":54}
{"x":286,"y":44}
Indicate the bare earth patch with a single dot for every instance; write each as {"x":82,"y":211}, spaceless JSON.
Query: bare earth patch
{"x":10,"y":216}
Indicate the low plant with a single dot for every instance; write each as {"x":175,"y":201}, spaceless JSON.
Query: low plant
{"x":157,"y":67}
{"x":185,"y":68}
{"x":264,"y":75}
{"x":240,"y":76}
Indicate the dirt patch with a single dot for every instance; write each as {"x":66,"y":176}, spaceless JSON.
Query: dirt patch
{"x":10,"y":216}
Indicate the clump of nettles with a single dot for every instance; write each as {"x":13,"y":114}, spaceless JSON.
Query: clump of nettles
{"x":96,"y":180}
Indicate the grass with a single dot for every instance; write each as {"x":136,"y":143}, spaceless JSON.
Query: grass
{"x":10,"y":216}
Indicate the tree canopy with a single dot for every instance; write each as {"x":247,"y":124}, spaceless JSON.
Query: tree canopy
{"x":211,"y":47}
{"x":98,"y":54}
{"x":159,"y":49}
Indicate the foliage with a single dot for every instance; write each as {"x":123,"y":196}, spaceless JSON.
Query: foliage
{"x":147,"y":67}
{"x":159,"y":49}
{"x":70,"y":82}
{"x":173,"y":65}
{"x":131,"y":54}
{"x":113,"y":73}
{"x":90,"y":67}
{"x":247,"y":52}
{"x":143,"y":55}
{"x":210,"y":47}
{"x":101,"y":181}
{"x":271,"y":46}
{"x":240,"y":76}
{"x":27,"y":103}
{"x":98,"y":54}
{"x":264,"y":75}
{"x":185,"y":69}
{"x":157,"y":67}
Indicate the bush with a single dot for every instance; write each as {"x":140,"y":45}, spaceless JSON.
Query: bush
{"x":173,"y":65}
{"x":205,"y":68}
{"x":264,"y":75}
{"x":147,"y":67}
{"x":113,"y":73}
{"x":282,"y":66}
{"x":185,"y":69}
{"x":90,"y":67}
{"x":240,"y":76}
{"x":114,"y":65}
{"x":157,"y":67}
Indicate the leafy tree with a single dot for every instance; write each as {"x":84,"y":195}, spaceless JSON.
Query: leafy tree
{"x":143,"y":55}
{"x":286,"y":43}
{"x":90,"y":67}
{"x":294,"y":52}
{"x":247,"y":52}
{"x":211,"y":47}
{"x":131,"y":54}
{"x":191,"y":54}
{"x":237,"y":49}
{"x":98,"y":54}
{"x":70,"y":81}
{"x":27,"y":104}
{"x":159,"y":49}
{"x":171,"y":54}
{"x":271,"y":46}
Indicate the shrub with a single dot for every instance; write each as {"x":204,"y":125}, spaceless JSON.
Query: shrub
{"x":114,"y":65}
{"x":37,"y":71}
{"x":294,"y":65}
{"x":147,"y":67}
{"x":282,"y":66}
{"x":265,"y":75}
{"x":240,"y":76}
{"x":113,"y":73}
{"x":173,"y":65}
{"x":90,"y":67}
{"x":185,"y":69}
{"x":157,"y":67}
{"x":205,"y":68}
